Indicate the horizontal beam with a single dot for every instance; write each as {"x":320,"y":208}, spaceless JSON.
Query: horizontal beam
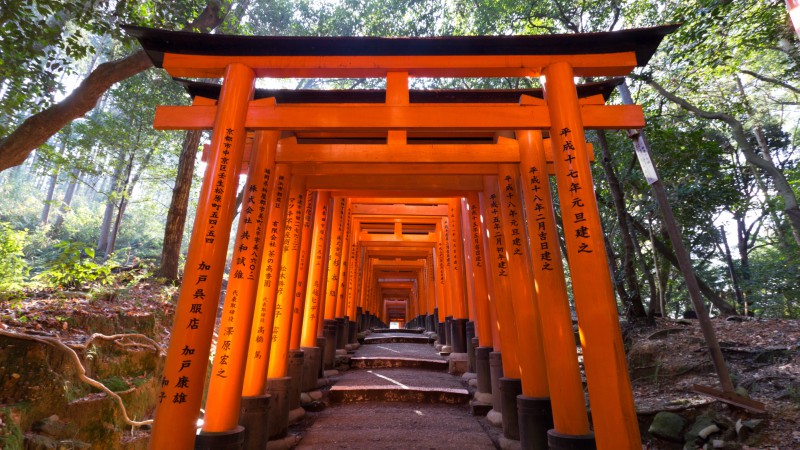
{"x":312,"y":169}
{"x":396,"y":212}
{"x":409,"y":117}
{"x":505,"y":151}
{"x":585,"y":65}
{"x":432,"y":184}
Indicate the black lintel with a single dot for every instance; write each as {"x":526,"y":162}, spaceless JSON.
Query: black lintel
{"x":212,"y":90}
{"x":156,"y":43}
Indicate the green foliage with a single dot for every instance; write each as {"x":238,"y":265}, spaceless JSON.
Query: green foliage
{"x":13,"y":267}
{"x":74,"y":267}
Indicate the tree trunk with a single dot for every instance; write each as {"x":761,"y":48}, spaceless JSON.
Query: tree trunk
{"x":49,"y":200}
{"x":37,"y":129}
{"x":66,"y":203}
{"x":105,"y":227}
{"x":782,"y":186}
{"x":176,"y":217}
{"x":737,"y":290}
{"x":634,"y":308}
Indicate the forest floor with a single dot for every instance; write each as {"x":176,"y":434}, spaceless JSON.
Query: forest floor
{"x":665,"y":360}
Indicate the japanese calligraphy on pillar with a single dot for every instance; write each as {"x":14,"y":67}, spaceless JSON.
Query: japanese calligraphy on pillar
{"x":475,"y":230}
{"x":203,"y":301}
{"x":511,"y":201}
{"x":270,"y":261}
{"x":318,"y":258}
{"x":576,"y":209}
{"x":541,"y":242}
{"x":497,"y":234}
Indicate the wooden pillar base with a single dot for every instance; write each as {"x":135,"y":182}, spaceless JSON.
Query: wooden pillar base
{"x":224,"y":440}
{"x":254,"y":418}
{"x":278,"y":416}
{"x":558,"y":441}
{"x":535,"y":418}
{"x":510,"y":388}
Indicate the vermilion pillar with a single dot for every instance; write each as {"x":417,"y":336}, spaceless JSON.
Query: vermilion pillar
{"x":184,"y":373}
{"x":314,"y":288}
{"x":255,"y":374}
{"x":504,"y":308}
{"x":298,"y":309}
{"x":478,"y":273}
{"x":456,"y":260}
{"x":613,"y":412}
{"x":230,"y":358}
{"x":529,"y":334}
{"x":566,"y":389}
{"x":341,"y":291}
{"x":281,"y":328}
{"x":335,"y":256}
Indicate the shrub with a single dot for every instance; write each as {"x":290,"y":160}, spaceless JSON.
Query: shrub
{"x":75,"y":267}
{"x":13,"y":267}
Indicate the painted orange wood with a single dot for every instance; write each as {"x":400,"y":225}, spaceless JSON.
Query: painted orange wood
{"x":255,"y":375}
{"x":315,"y":289}
{"x":476,"y":270}
{"x":613,"y":412}
{"x":563,"y":373}
{"x":199,"y":66}
{"x":499,"y":265}
{"x":284,"y":306}
{"x":529,"y":323}
{"x":414,"y":117}
{"x":230,"y":356}
{"x":184,"y":374}
{"x":304,"y":262}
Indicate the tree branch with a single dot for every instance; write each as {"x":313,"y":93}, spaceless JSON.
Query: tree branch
{"x":771,"y":80}
{"x":38,"y":128}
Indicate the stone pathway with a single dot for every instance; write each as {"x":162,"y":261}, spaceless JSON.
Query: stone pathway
{"x":397,"y":395}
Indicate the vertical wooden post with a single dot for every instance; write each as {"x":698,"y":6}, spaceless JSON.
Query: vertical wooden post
{"x":255,"y":374}
{"x":281,"y":328}
{"x":478,"y":273}
{"x":341,"y":291}
{"x":303,"y":261}
{"x":442,"y":292}
{"x":335,"y":256}
{"x":566,"y":390}
{"x":498,"y":260}
{"x":184,"y":373}
{"x":529,"y":332}
{"x":469,"y":279}
{"x":456,"y":260}
{"x":230,"y":358}
{"x":613,"y":412}
{"x":315,"y":289}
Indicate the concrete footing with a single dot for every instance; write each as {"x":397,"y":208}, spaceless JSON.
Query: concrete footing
{"x":296,"y":415}
{"x":284,"y":443}
{"x":495,"y":418}
{"x":509,"y":444}
{"x":225,"y":440}
{"x":458,"y":363}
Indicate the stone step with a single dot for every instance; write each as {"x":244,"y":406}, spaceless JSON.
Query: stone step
{"x":399,"y":330}
{"x":375,"y":362}
{"x":393,"y":393}
{"x":398,"y":339}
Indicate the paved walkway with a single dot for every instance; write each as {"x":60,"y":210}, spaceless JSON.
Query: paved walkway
{"x":397,"y":396}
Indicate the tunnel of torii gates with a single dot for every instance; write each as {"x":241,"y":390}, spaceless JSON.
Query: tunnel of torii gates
{"x":427,"y":208}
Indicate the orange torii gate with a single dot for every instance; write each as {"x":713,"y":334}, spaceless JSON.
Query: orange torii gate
{"x":350,"y":146}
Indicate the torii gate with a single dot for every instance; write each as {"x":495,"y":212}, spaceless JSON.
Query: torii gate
{"x":348,"y":145}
